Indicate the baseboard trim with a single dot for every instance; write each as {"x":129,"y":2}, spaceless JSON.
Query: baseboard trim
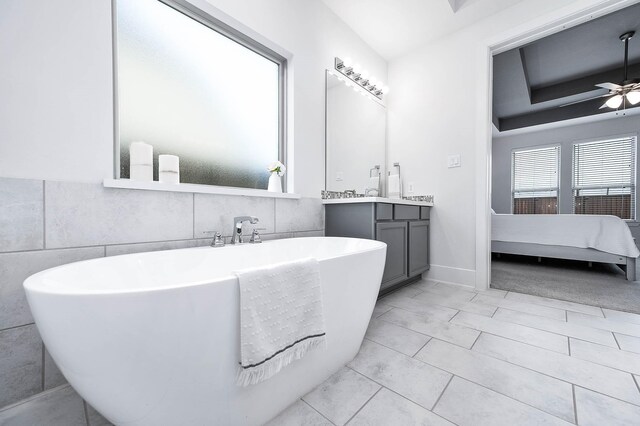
{"x":450,"y":275}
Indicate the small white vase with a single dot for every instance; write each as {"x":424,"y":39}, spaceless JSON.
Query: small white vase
{"x":275,"y":183}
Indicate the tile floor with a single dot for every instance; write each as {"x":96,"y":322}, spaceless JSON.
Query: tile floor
{"x":436,"y":354}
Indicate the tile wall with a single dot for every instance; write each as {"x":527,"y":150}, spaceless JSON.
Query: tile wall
{"x":46,"y":223}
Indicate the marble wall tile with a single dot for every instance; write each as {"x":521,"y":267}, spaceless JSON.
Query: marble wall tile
{"x":86,"y":214}
{"x":52,"y":375}
{"x":20,"y":364}
{"x":16,"y":267}
{"x":21,"y":214}
{"x":305,"y":214}
{"x":216,"y":213}
{"x":58,"y":407}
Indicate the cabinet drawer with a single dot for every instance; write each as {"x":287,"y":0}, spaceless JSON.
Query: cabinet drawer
{"x":384,"y":211}
{"x":424,"y":212}
{"x":402,"y":212}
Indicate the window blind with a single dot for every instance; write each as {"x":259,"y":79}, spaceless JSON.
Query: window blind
{"x":604,"y":177}
{"x":535,"y":180}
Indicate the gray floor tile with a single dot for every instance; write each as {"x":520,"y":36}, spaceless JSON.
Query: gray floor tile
{"x":21,"y":214}
{"x":446,"y":331}
{"x":95,"y":418}
{"x":434,"y":312}
{"x":595,"y":409}
{"x":529,"y":308}
{"x":341,"y":395}
{"x":408,"y":291}
{"x":16,"y":267}
{"x":468,"y":404}
{"x":57,"y":407}
{"x":604,"y":355}
{"x":388,"y":408}
{"x":299,"y":414}
{"x":455,"y":303}
{"x":627,"y":328}
{"x":538,"y":390}
{"x":380,"y":309}
{"x":395,"y":337}
{"x":560,"y":327}
{"x":554,"y":303}
{"x":621,"y":316}
{"x":582,"y":373}
{"x":20,"y":364}
{"x":454,"y":292}
{"x":628,"y":343}
{"x":494,"y":292}
{"x":52,"y":375}
{"x":521,"y":333}
{"x":413,"y":379}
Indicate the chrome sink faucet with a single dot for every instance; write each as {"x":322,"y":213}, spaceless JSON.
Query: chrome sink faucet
{"x":237,"y":227}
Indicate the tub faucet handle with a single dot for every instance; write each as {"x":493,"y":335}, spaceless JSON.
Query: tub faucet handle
{"x":255,"y":235}
{"x":217,"y":241}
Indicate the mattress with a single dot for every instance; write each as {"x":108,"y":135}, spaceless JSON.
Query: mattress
{"x":609,"y":234}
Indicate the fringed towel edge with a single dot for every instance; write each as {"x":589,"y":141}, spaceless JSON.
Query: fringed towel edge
{"x":251,"y":375}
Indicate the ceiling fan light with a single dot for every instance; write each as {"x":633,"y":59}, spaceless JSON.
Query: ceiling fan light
{"x":633,"y":97}
{"x":614,"y":102}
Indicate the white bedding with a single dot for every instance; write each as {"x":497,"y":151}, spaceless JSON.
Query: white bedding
{"x":605,"y":233}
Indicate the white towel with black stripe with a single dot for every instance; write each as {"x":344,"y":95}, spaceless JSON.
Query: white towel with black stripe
{"x":281,"y":317}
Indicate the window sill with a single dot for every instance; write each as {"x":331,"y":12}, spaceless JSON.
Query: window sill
{"x":195,"y":188}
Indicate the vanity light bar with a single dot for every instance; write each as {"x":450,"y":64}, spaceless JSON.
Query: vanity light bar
{"x":360,"y":77}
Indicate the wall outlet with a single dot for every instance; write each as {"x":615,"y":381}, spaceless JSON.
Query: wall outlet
{"x":339,"y":176}
{"x":453,"y":161}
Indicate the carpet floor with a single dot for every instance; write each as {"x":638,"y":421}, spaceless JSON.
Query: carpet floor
{"x":601,"y":285}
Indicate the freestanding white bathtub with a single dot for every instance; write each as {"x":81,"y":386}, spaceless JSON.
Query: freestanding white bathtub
{"x":153,"y":338}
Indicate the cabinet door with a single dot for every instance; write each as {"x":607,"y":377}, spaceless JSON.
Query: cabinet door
{"x":394,"y":234}
{"x":418,"y":247}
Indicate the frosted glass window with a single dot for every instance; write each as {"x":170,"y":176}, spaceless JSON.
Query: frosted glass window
{"x":187,"y":89}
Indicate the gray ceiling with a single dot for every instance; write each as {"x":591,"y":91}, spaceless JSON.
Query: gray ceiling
{"x":531,"y":83}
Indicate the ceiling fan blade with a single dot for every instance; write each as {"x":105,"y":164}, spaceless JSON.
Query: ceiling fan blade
{"x":609,"y":86}
{"x":585,"y":100}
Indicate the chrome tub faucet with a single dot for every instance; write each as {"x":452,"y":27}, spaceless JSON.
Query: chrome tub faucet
{"x":237,"y":227}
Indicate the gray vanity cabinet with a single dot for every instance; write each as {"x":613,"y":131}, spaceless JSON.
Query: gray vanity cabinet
{"x":395,"y":235}
{"x":404,"y":228}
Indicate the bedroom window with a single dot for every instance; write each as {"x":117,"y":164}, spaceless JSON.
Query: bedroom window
{"x":604,"y":177}
{"x":535,"y":180}
{"x":192,"y":86}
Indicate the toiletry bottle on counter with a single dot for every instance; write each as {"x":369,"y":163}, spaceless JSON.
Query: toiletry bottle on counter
{"x":141,"y":161}
{"x":168,"y":169}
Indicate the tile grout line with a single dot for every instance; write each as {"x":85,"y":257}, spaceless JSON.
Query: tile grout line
{"x":617,"y":343}
{"x":443,"y":391}
{"x":313,"y":408}
{"x":421,"y":348}
{"x":365,"y":404}
{"x":13,"y":327}
{"x":475,"y":341}
{"x":633,"y":377}
{"x":42,"y":370}
{"x":575,"y":405}
{"x":86,"y":412}
{"x":44,"y":215}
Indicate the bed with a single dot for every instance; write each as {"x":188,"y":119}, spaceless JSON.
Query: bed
{"x":605,"y":239}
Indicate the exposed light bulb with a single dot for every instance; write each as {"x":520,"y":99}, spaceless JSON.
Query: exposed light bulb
{"x":385,"y":89}
{"x":614,"y":102}
{"x":373,"y":81}
{"x":347,"y":62}
{"x":633,"y":97}
{"x":357,"y":68}
{"x":365,"y":75}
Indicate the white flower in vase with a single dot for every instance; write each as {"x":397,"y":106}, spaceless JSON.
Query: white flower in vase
{"x":277,"y":170}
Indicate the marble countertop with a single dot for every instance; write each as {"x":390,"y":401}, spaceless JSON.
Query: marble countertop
{"x":376,"y":200}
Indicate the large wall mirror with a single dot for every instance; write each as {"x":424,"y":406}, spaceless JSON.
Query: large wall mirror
{"x":355,"y":136}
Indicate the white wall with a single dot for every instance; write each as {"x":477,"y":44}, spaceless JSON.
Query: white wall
{"x":436,"y":107}
{"x":56,"y":114}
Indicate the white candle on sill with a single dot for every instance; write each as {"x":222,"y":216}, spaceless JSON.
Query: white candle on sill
{"x":168,"y":168}
{"x":140,"y":161}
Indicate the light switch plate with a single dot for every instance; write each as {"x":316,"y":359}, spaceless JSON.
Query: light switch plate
{"x":453,"y":161}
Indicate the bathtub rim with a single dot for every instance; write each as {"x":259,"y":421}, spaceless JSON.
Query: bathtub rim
{"x":34,"y":284}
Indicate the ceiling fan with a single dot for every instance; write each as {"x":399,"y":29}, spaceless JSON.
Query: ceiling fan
{"x":628,"y":88}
